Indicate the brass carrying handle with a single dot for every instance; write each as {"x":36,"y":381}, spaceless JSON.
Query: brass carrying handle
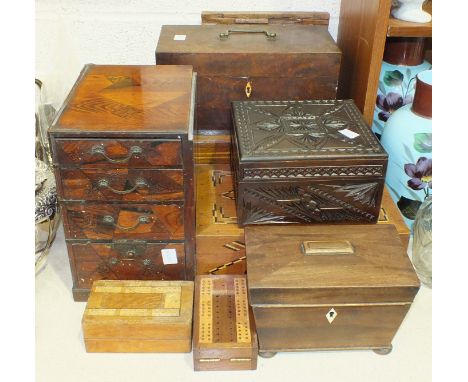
{"x":321,"y":247}
{"x":225,"y":35}
{"x":99,"y":150}
{"x":139,"y":182}
{"x":109,"y":220}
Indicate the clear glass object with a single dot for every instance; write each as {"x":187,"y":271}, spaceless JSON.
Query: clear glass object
{"x":422,"y":242}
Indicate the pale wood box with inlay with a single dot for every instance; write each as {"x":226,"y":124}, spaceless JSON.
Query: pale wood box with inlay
{"x":139,"y":317}
{"x":224,"y":336}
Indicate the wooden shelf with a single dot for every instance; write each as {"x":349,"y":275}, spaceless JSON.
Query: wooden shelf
{"x":398,"y":28}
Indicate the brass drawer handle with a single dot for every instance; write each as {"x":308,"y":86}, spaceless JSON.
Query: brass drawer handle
{"x":139,"y":182}
{"x":109,"y":220}
{"x":99,"y":150}
{"x":225,"y":35}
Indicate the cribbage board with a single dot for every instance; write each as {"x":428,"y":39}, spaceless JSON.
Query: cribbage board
{"x":224,"y":331}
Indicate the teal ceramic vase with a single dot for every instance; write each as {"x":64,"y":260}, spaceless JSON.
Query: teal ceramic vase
{"x":403,"y":60}
{"x":407,"y":138}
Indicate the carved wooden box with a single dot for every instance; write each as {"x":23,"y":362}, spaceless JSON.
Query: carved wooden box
{"x":255,"y":62}
{"x":224,"y":336}
{"x":139,"y":317}
{"x":305,"y":162}
{"x":220,"y":241}
{"x":123,"y":156}
{"x":316,"y":287}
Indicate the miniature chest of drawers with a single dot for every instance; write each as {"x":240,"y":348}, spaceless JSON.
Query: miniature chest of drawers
{"x":255,"y":62}
{"x":126,"y":316}
{"x":316,"y":287}
{"x":305,"y":162}
{"x":224,"y":336}
{"x":220,"y":241}
{"x":122,"y":151}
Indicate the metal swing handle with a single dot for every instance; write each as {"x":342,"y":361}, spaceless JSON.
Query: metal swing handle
{"x":139,"y":182}
{"x":109,"y":220}
{"x":134,"y":150}
{"x":225,"y":35}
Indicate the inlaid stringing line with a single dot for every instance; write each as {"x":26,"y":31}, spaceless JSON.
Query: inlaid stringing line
{"x":242,"y":311}
{"x":206,"y":311}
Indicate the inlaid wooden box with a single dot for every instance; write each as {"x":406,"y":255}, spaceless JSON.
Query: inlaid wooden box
{"x":220,"y":241}
{"x":123,"y":156}
{"x":139,"y":317}
{"x":305,"y":162}
{"x":224,"y":336}
{"x":258,"y":62}
{"x":316,"y":287}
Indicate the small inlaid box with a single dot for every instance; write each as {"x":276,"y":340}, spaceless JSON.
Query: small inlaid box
{"x":139,"y":317}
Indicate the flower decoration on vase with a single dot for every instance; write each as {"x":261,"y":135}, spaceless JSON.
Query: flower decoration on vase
{"x":411,"y":10}
{"x":407,"y":138}
{"x":403,"y":60}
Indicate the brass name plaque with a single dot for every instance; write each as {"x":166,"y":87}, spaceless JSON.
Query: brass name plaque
{"x":318,"y":248}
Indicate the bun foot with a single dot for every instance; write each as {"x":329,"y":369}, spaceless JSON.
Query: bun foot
{"x":267,"y":354}
{"x":383,"y":351}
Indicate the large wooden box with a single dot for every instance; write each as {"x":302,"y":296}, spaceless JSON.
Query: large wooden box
{"x":255,"y":62}
{"x":220,"y":241}
{"x":317,"y":287}
{"x":224,"y":336}
{"x":123,"y":157}
{"x":139,"y":316}
{"x":305,"y":162}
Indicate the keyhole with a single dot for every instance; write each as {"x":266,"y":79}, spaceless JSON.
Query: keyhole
{"x":331,"y":314}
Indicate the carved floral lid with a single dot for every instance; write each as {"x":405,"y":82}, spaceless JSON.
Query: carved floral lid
{"x":283,"y":130}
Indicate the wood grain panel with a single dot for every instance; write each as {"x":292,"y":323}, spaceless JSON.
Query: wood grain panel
{"x":306,"y":18}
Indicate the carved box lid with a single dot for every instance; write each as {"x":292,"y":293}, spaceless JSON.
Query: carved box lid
{"x":267,"y":131}
{"x":328,"y":264}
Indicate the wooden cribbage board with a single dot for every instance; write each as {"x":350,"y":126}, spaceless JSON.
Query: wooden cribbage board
{"x":224,"y":331}
{"x":139,"y":316}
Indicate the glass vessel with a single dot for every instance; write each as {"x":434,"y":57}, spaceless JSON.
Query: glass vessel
{"x":422,"y":242}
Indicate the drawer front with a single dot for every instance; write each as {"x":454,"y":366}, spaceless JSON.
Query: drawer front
{"x":96,"y":221}
{"x":214,"y":94}
{"x":130,"y":260}
{"x":295,"y":328}
{"x":126,"y":185}
{"x":289,"y":201}
{"x":117,"y":153}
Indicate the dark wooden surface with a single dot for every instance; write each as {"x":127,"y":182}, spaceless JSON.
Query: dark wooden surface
{"x":240,"y":18}
{"x":301,"y":63}
{"x":220,"y":339}
{"x":368,"y":292}
{"x":97,"y":261}
{"x":123,"y":156}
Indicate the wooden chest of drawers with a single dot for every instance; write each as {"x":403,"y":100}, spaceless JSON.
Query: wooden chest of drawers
{"x":320,"y":288}
{"x":258,"y":62}
{"x":123,"y":157}
{"x":224,"y":336}
{"x":220,"y":241}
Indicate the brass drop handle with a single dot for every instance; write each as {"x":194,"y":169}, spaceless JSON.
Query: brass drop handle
{"x":139,"y":182}
{"x":225,"y":35}
{"x":248,"y":89}
{"x":109,"y":220}
{"x":99,"y":150}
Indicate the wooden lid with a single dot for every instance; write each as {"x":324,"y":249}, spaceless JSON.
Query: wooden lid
{"x":139,"y":309}
{"x":344,"y":264}
{"x":128,"y":99}
{"x":284,"y":130}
